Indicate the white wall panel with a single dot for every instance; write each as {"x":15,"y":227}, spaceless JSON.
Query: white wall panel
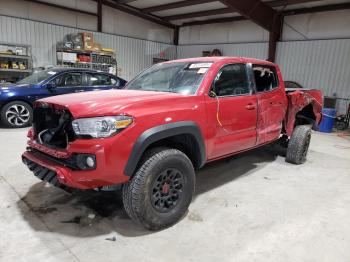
{"x":321,"y":64}
{"x":255,"y":50}
{"x":133,"y":55}
{"x":335,"y":24}
{"x":117,"y":22}
{"x":113,"y":21}
{"x":39,"y":12}
{"x":234,"y":32}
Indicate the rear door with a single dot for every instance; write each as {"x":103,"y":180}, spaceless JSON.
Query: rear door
{"x":271,"y":102}
{"x":232,"y":106}
{"x":98,"y":81}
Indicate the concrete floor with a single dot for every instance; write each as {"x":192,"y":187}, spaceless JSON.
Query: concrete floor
{"x":252,"y":207}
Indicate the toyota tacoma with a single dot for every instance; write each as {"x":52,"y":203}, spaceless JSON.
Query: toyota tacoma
{"x":170,"y":120}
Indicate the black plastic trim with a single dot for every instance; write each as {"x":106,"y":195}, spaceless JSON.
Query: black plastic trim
{"x":160,"y":132}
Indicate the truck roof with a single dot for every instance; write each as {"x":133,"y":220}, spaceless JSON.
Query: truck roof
{"x":214,"y":59}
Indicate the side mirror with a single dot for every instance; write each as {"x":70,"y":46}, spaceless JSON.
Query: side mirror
{"x":212,"y":93}
{"x":51,"y":86}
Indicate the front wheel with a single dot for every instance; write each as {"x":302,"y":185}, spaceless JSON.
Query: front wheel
{"x":161,"y":190}
{"x":298,"y":145}
{"x":16,"y":114}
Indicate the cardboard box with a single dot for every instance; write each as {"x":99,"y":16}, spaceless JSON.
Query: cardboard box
{"x":88,"y":46}
{"x":87,"y":37}
{"x":67,"y":57}
{"x":97,"y":47}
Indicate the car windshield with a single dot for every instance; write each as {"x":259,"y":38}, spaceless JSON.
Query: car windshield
{"x":177,"y":77}
{"x":37,"y":77}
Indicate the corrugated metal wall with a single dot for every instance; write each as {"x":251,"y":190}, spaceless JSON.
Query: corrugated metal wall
{"x":255,"y":50}
{"x":323,"y":64}
{"x":133,"y":55}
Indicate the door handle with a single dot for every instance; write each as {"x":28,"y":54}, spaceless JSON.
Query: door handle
{"x":250,"y":106}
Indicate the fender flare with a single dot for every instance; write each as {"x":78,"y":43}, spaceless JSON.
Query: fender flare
{"x":157,"y":133}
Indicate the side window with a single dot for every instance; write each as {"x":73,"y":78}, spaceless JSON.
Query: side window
{"x":265,"y":78}
{"x":98,"y":80}
{"x":115,"y":82}
{"x":232,"y":80}
{"x":68,"y":80}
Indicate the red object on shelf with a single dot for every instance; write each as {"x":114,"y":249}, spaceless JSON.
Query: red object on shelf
{"x":84,"y":58}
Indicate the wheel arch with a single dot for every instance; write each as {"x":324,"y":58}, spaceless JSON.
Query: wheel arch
{"x":184,"y":136}
{"x":14,"y":99}
{"x":306,"y":116}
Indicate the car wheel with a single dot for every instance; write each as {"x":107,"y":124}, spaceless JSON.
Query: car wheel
{"x":161,"y":190}
{"x":17,"y":114}
{"x":298,"y":145}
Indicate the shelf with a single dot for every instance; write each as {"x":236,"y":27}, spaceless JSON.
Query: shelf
{"x":15,"y":56}
{"x":15,"y":70}
{"x":86,"y":63}
{"x":87,"y":52}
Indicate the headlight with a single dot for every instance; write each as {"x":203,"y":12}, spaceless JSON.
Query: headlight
{"x":101,"y":126}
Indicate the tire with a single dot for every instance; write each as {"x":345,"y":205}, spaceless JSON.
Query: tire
{"x":17,"y":114}
{"x":161,"y":190}
{"x":298,"y":145}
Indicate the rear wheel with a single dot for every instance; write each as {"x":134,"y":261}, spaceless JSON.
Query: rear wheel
{"x":161,"y":190}
{"x":298,"y":145}
{"x":16,"y":114}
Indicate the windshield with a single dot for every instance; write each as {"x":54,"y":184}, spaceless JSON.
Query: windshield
{"x":36,"y":78}
{"x":180,"y":77}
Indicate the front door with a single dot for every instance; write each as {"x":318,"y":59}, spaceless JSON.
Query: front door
{"x":272,"y":103}
{"x":66,"y":83}
{"x":232,"y":106}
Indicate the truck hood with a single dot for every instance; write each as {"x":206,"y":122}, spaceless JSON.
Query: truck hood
{"x":110,"y":102}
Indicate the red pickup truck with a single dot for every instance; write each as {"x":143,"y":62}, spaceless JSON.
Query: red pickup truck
{"x":170,"y":120}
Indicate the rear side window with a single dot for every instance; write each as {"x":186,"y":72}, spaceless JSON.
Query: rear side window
{"x":265,"y":78}
{"x":231,"y":80}
{"x":98,"y":79}
{"x":70,"y":79}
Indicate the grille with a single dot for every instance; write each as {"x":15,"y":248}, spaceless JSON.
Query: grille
{"x":52,"y":126}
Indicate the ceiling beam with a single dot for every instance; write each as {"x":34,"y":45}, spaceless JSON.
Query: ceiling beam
{"x":185,"y":3}
{"x":310,"y":10}
{"x":176,"y":36}
{"x":137,"y":12}
{"x":274,"y":3}
{"x":215,"y":20}
{"x":316,"y":9}
{"x":260,"y":13}
{"x":175,"y":5}
{"x":62,"y":7}
{"x":198,"y":14}
{"x":99,"y":15}
{"x":125,"y":1}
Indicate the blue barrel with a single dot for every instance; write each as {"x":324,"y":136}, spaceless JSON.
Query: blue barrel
{"x":328,"y":116}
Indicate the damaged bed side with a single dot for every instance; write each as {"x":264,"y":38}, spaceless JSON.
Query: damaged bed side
{"x":304,"y":108}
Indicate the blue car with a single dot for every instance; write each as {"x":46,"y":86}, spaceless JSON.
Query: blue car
{"x":16,"y":100}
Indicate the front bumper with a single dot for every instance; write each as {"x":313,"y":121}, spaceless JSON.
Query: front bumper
{"x":41,"y":171}
{"x":111,"y":157}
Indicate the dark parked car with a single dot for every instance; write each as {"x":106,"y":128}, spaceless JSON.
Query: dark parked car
{"x":16,"y":100}
{"x":292,"y":85}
